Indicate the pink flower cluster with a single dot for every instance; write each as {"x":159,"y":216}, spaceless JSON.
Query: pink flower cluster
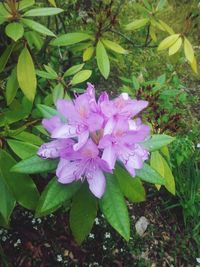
{"x":90,"y":136}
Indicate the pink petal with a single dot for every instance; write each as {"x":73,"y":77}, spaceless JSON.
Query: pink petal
{"x":108,"y":129}
{"x":109,"y":156}
{"x":82,"y":139}
{"x":133,"y":107}
{"x":66,"y":171}
{"x":65,"y":131}
{"x":94,"y":122}
{"x":66,"y":108}
{"x":97,"y":183}
{"x":51,"y":124}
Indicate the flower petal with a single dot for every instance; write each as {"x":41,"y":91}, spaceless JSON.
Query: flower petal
{"x":66,"y":171}
{"x":51,"y":124}
{"x":97,"y":183}
{"x":109,"y":156}
{"x":82,"y":139}
{"x":64,"y":131}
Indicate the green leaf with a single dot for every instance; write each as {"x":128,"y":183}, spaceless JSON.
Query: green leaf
{"x":166,"y":27}
{"x":82,"y":213}
{"x":161,"y":4}
{"x":34,"y":39}
{"x":113,"y":207}
{"x":22,"y":149}
{"x":26,"y":74}
{"x":25,"y":3}
{"x":46,"y":75}
{"x":136,"y":24}
{"x":35,"y":164}
{"x":27,"y":137}
{"x":102,"y":60}
{"x":58,"y":92}
{"x":189,"y":52}
{"x":37,"y":27}
{"x":135,"y":82}
{"x":148,"y":174}
{"x":51,"y":71}
{"x":5,"y":56}
{"x":169,"y":41}
{"x":11,"y":86}
{"x":157,"y":164}
{"x":70,"y":39}
{"x":157,"y":141}
{"x":169,"y":178}
{"x":114,"y":46}
{"x":175,"y":47}
{"x":46,"y":111}
{"x":54,"y":195}
{"x":73,"y":70}
{"x":14,"y":30}
{"x":88,"y":52}
{"x":41,"y":12}
{"x":22,"y":186}
{"x":131,"y":187}
{"x":81,"y":76}
{"x":52,"y":2}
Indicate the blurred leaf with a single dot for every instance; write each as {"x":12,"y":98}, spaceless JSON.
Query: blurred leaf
{"x":166,"y":27}
{"x":131,"y":187}
{"x":72,"y":70}
{"x":26,"y":74}
{"x":157,"y":164}
{"x":54,"y":196}
{"x":22,"y":186}
{"x":5,"y":56}
{"x":102,"y":60}
{"x":169,"y":41}
{"x":70,"y":38}
{"x":157,"y":141}
{"x":58,"y":92}
{"x":45,"y":11}
{"x":52,"y":2}
{"x":44,"y":74}
{"x":113,"y":207}
{"x":81,"y":76}
{"x":88,"y":52}
{"x":22,"y":149}
{"x":169,"y":178}
{"x":175,"y":47}
{"x":14,"y":30}
{"x":136,"y":24}
{"x":114,"y":46}
{"x":50,"y":70}
{"x":46,"y":111}
{"x":148,"y":174}
{"x":11,"y":86}
{"x":161,"y":4}
{"x":25,"y":3}
{"x":37,"y":27}
{"x":135,"y":82}
{"x":194,"y":65}
{"x":34,"y":39}
{"x":34,"y":164}
{"x":189,"y":52}
{"x":83,"y":213}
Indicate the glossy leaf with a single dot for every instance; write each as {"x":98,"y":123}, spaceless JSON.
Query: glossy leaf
{"x":26,"y":74}
{"x":35,"y":164}
{"x":114,"y":46}
{"x":102,"y":60}
{"x":169,"y":41}
{"x":22,"y":149}
{"x":44,"y":74}
{"x":50,"y":71}
{"x":189,"y":52}
{"x":70,"y":39}
{"x":175,"y":47}
{"x":14,"y":30}
{"x":81,"y":76}
{"x":73,"y":70}
{"x":37,"y":27}
{"x":54,"y":195}
{"x":131,"y":187}
{"x":22,"y":186}
{"x":148,"y":174}
{"x":113,"y":207}
{"x":45,"y":11}
{"x":136,"y":24}
{"x":27,"y":137}
{"x":157,"y":141}
{"x":83,"y":213}
{"x":11,"y":86}
{"x":46,"y":111}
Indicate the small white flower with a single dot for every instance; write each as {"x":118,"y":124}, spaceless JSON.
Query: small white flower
{"x":91,"y":235}
{"x":198,"y":145}
{"x":104,"y":247}
{"x":107,"y":235}
{"x":59,"y":258}
{"x":4,"y":238}
{"x":96,"y":221}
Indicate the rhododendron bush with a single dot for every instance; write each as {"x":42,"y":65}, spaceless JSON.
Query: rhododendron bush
{"x":97,"y":148}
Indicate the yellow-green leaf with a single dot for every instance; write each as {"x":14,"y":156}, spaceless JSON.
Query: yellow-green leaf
{"x":157,"y":164}
{"x":189,"y":52}
{"x":194,"y":65}
{"x":26,"y":74}
{"x":167,"y":42}
{"x":102,"y":60}
{"x":81,"y":76}
{"x":52,"y":2}
{"x":88,"y":52}
{"x":166,"y":27}
{"x":14,"y":30}
{"x":136,"y":24}
{"x":153,"y":33}
{"x":114,"y":46}
{"x":175,"y":47}
{"x":169,"y":178}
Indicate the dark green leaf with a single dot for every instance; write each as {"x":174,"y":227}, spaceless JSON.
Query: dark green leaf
{"x":82,"y":214}
{"x":11,"y":86}
{"x":114,"y":208}
{"x":5,"y":56}
{"x":27,"y":137}
{"x":148,"y":174}
{"x":22,"y":149}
